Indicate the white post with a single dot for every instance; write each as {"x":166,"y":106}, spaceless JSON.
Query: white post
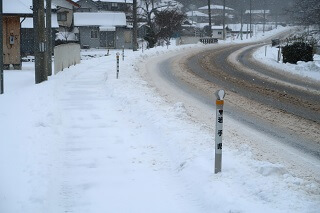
{"x":279,"y":54}
{"x":219,"y":130}
{"x":118,"y":54}
{"x":123,"y":53}
{"x":265,"y":52}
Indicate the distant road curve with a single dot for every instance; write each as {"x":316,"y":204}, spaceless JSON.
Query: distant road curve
{"x":271,"y":100}
{"x":234,"y":68}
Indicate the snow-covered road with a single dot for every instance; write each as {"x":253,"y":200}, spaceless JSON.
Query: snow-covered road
{"x":85,"y":141}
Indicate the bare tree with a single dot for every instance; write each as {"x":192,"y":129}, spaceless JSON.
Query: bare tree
{"x":148,"y":11}
{"x":65,"y":34}
{"x":306,"y":12}
{"x":167,"y":23}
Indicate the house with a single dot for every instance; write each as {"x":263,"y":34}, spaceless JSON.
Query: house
{"x":103,"y":30}
{"x":197,"y":17}
{"x":237,"y":28}
{"x":61,"y":23}
{"x":12,"y":11}
{"x":217,"y":13}
{"x":258,"y":16}
{"x":217,"y":32}
{"x":104,"y":5}
{"x":107,"y":5}
{"x":64,"y":10}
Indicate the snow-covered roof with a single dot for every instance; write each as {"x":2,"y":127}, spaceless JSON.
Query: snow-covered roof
{"x":217,"y":27}
{"x":117,"y":1}
{"x":64,"y":3}
{"x":163,"y":4}
{"x":112,"y":29}
{"x":24,"y":6}
{"x":108,"y":19}
{"x":215,"y":7}
{"x":214,"y":27}
{"x":196,"y":13}
{"x":257,"y":11}
{"x":202,"y":25}
{"x":28,"y":22}
{"x":16,"y":7}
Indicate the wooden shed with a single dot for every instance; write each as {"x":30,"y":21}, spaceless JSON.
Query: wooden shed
{"x":11,"y":41}
{"x":12,"y":11}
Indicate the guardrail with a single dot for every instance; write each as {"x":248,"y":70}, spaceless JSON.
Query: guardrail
{"x":66,"y":55}
{"x":208,"y":40}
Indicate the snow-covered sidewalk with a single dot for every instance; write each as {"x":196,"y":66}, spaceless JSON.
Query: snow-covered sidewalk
{"x":85,"y":141}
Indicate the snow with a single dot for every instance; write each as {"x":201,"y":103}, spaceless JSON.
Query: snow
{"x":100,"y":19}
{"x":16,"y":7}
{"x":117,"y":1}
{"x":24,"y":6}
{"x":84,"y":141}
{"x":196,"y":13}
{"x":214,"y":7}
{"x":28,"y":22}
{"x":309,"y":69}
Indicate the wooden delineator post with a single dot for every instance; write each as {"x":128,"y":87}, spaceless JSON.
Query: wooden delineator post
{"x":219,"y":130}
{"x":118,"y":54}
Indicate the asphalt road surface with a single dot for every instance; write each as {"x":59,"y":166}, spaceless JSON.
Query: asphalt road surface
{"x":281,"y":106}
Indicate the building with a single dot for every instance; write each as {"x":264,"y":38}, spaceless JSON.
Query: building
{"x":64,"y":10}
{"x":217,"y":13}
{"x":13,"y":10}
{"x":107,"y":5}
{"x":197,"y":17}
{"x":103,"y":30}
{"x":258,"y":16}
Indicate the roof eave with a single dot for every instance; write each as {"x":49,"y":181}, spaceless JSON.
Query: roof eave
{"x":73,"y":3}
{"x":18,"y":14}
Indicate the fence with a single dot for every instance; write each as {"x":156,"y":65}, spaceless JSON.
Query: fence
{"x":194,"y":40}
{"x":66,"y":55}
{"x":208,"y":40}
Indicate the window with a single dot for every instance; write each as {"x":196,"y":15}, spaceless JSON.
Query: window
{"x":62,"y":16}
{"x":94,"y":33}
{"x":219,"y":33}
{"x":114,"y":5}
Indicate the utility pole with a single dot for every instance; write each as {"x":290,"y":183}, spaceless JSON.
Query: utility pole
{"x":209,"y":13}
{"x":250,"y":18}
{"x":224,"y":20}
{"x":241,"y":28}
{"x":49,"y":36}
{"x":1,"y":50}
{"x":264,"y":15}
{"x":277,"y":20}
{"x":135,"y":26}
{"x":39,"y":41}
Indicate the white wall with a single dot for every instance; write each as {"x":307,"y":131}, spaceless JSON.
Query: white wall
{"x":215,"y":34}
{"x":66,"y":55}
{"x":187,"y":40}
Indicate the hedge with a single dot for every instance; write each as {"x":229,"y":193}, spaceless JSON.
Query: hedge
{"x":297,"y":51}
